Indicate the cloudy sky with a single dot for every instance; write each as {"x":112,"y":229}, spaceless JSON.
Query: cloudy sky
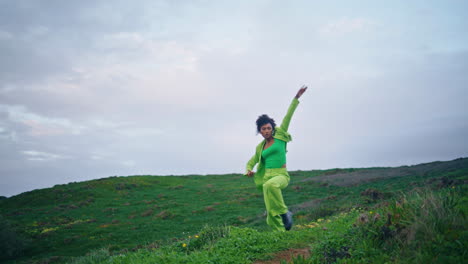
{"x":91,"y":89}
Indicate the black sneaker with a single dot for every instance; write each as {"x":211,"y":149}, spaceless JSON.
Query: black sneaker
{"x":287,"y":220}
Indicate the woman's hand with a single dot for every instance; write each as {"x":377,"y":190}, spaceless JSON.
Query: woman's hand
{"x":250,"y":173}
{"x":301,"y":91}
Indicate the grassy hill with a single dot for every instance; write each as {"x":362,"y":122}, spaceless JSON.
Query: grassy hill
{"x":395,"y":212}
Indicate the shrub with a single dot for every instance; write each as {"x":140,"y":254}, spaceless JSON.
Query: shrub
{"x":431,"y":222}
{"x":424,"y":226}
{"x":323,"y":211}
{"x":209,"y":235}
{"x":371,"y":195}
{"x":11,"y":243}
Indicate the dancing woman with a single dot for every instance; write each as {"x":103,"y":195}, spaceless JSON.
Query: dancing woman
{"x":271,"y":175}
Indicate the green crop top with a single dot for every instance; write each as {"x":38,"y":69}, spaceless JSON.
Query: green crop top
{"x":275,"y":156}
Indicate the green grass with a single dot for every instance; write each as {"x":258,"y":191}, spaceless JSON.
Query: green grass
{"x":148,"y":219}
{"x":240,"y":245}
{"x":424,"y":226}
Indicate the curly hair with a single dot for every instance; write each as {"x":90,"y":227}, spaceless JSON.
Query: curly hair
{"x":263,"y":120}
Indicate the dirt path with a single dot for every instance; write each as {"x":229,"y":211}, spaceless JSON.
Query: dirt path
{"x":286,"y":255}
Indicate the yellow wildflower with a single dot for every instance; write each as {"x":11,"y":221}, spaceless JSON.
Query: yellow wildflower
{"x":196,"y":236}
{"x":371,"y":212}
{"x":49,"y":230}
{"x":319,"y":220}
{"x":184,"y":245}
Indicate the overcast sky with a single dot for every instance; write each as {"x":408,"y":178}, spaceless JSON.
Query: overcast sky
{"x":91,"y":89}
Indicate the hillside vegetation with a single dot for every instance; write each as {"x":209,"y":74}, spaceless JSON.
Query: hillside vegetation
{"x":409,"y":214}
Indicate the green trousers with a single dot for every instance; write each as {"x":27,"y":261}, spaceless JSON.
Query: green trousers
{"x":273,"y":182}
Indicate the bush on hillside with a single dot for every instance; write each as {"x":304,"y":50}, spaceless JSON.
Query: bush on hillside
{"x":421,"y":227}
{"x":372,"y":195}
{"x":208,"y":236}
{"x":11,"y":243}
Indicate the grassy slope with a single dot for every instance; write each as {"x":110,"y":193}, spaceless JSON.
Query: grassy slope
{"x":127,"y":213}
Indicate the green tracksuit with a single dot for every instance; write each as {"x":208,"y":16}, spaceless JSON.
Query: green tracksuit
{"x":270,"y":177}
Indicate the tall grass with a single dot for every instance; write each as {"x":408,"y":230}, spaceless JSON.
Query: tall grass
{"x":433,"y":225}
{"x":423,"y":226}
{"x":12,"y":243}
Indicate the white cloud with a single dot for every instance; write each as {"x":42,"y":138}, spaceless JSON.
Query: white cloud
{"x":122,"y":40}
{"x":139,"y":132}
{"x":40,"y":125}
{"x":36,"y":31}
{"x":7,"y":87}
{"x":103,"y":154}
{"x":7,"y":135}
{"x":133,"y":68}
{"x":346,"y":25}
{"x":126,"y":129}
{"x":99,"y":123}
{"x":96,"y":157}
{"x":5,"y":35}
{"x":129,"y":163}
{"x":147,"y":51}
{"x":42,"y":156}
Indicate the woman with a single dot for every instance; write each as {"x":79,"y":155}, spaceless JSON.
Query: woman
{"x":271,"y":175}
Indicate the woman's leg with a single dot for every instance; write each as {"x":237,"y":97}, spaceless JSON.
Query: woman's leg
{"x":275,"y":222}
{"x":274,"y":201}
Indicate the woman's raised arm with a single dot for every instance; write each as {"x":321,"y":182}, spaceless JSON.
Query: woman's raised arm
{"x":292,"y":108}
